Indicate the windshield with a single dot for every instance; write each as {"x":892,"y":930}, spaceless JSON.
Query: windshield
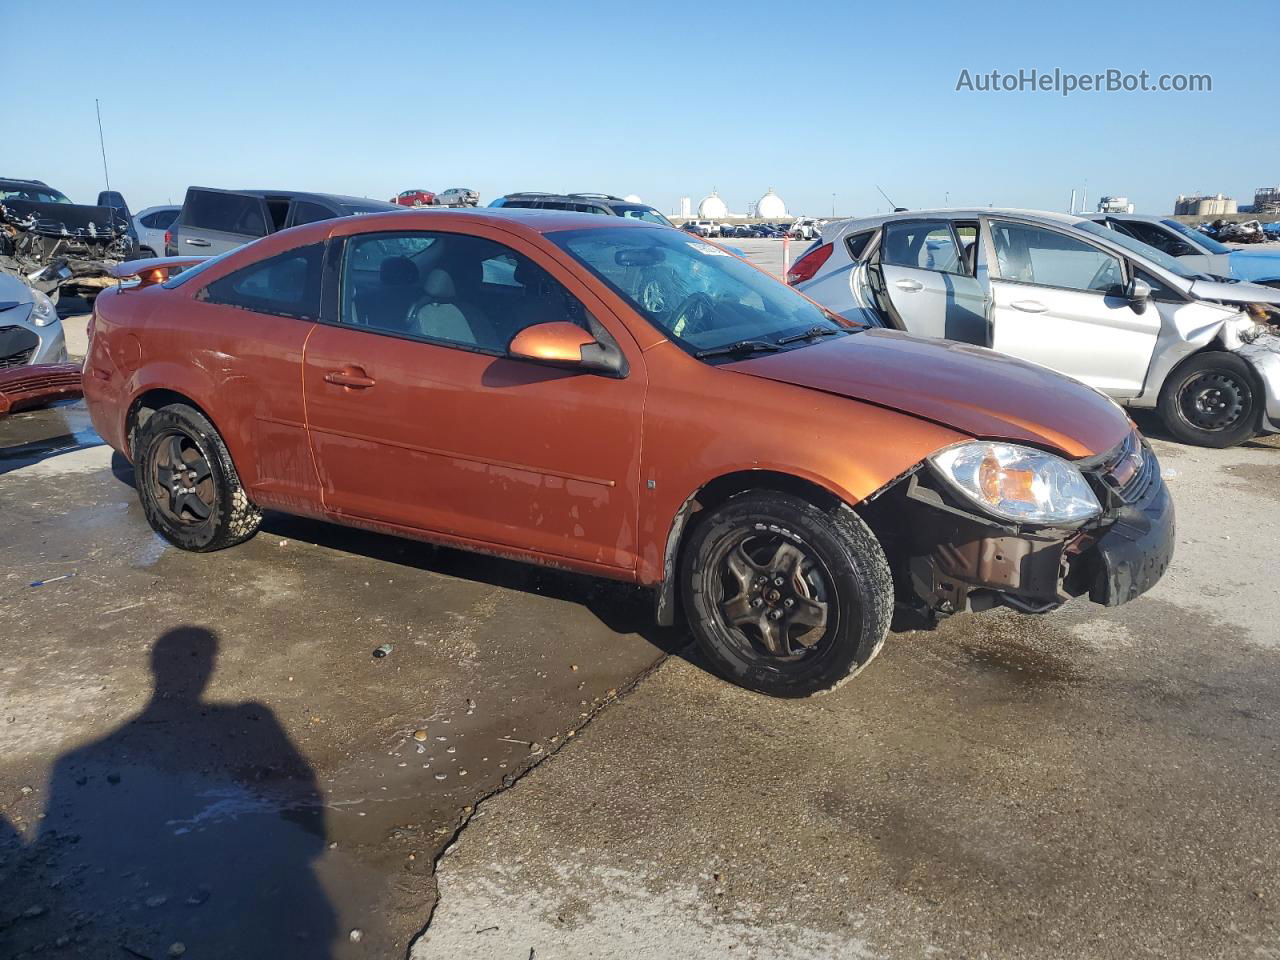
{"x":639,"y":211}
{"x":697,"y":294}
{"x":1197,"y":238}
{"x":1137,"y":247}
{"x":36,"y":194}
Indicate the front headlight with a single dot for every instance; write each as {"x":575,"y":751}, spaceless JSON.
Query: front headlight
{"x":1018,"y":483}
{"x":43,"y":311}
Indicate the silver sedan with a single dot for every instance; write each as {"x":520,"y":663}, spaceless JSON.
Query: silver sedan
{"x":30,"y":331}
{"x":1072,"y":295}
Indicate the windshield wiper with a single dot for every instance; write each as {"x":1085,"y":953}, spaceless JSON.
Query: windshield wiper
{"x":742,"y":346}
{"x":811,"y":333}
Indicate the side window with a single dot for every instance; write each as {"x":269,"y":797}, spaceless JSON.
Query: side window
{"x":1038,"y":255}
{"x":225,"y":212}
{"x":449,"y":288}
{"x":925,"y":244}
{"x":304,"y":211}
{"x":160,"y":220}
{"x":287,"y":285}
{"x":1158,"y":237}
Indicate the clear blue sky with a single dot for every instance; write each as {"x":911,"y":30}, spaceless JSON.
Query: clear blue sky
{"x":664,"y":99}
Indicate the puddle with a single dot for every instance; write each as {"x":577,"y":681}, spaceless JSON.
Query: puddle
{"x":56,"y":432}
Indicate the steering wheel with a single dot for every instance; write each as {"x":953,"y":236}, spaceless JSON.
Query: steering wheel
{"x":692,"y":314}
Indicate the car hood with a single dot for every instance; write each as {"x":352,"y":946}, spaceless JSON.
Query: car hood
{"x":1241,"y":292}
{"x":971,"y":389}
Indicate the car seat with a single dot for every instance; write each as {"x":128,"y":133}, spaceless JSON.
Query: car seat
{"x":445,"y":313}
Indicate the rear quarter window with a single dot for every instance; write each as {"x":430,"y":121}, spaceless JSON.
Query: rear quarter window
{"x":857,"y":243}
{"x":286,"y":285}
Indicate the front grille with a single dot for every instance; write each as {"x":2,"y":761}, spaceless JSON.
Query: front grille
{"x":19,"y":359}
{"x":1131,"y":470}
{"x":17,"y":346}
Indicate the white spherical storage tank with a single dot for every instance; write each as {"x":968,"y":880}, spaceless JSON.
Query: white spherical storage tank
{"x":771,"y":206}
{"x":632,"y":198}
{"x":712,"y":207}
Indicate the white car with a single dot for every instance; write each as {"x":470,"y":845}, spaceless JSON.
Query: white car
{"x":1070,"y":294}
{"x":150,"y":225}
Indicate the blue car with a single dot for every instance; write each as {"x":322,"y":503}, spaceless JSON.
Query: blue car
{"x":1197,"y":250}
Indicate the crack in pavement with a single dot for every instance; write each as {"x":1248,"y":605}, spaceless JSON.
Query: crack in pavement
{"x":511,"y":779}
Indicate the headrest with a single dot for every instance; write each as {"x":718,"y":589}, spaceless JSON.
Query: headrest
{"x":398,"y":271}
{"x":440,"y":285}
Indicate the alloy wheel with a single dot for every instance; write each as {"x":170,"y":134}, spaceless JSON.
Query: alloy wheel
{"x":773,"y":596}
{"x":181,"y":479}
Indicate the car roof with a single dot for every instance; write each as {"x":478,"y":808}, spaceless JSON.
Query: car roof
{"x":532,"y":221}
{"x":836,"y":228}
{"x":1145,"y":217}
{"x":338,"y":198}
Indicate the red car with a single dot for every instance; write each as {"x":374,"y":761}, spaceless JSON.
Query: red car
{"x":415,"y":198}
{"x":622,"y":399}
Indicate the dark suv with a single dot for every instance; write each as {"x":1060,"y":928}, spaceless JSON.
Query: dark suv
{"x":601,"y":203}
{"x":214,"y":221}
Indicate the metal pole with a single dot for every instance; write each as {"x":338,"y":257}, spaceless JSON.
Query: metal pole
{"x":786,"y":257}
{"x":102,"y":144}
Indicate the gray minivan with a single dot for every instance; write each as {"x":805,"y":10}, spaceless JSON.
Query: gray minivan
{"x":214,"y":221}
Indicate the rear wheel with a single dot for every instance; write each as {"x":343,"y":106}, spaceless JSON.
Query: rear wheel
{"x":1211,"y":401}
{"x":187,"y":483}
{"x":783,"y":597}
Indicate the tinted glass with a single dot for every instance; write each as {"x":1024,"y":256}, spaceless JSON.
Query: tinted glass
{"x":1197,"y":238}
{"x":857,"y":243}
{"x":304,"y":211}
{"x":926,"y":244}
{"x":640,"y":211}
{"x":160,"y":220}
{"x":287,"y":284}
{"x":15,"y":191}
{"x":449,"y":288}
{"x":1036,"y":255}
{"x":694,"y":292}
{"x":1156,"y":236}
{"x":225,"y":212}
{"x":1143,"y":250}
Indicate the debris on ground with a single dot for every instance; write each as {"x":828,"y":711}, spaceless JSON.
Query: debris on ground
{"x":382,"y":651}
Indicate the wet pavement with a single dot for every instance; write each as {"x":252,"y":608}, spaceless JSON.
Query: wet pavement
{"x":202,"y":749}
{"x":200,"y":755}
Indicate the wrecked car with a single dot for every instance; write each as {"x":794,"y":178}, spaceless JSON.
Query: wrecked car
{"x":33,"y":351}
{"x":56,"y":243}
{"x":616,"y":398}
{"x":1070,"y":294}
{"x":1195,"y":249}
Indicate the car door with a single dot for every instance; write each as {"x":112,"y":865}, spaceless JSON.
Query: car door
{"x":927,"y":284}
{"x":1058,"y":300}
{"x":419,"y":419}
{"x":255,"y":321}
{"x":215,"y":221}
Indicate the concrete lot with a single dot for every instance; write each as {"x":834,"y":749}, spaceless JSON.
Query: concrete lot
{"x":203,"y":750}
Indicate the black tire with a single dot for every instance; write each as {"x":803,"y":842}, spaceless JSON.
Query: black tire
{"x":200,"y":506}
{"x":842,"y":570}
{"x":145,"y":253}
{"x":1211,"y":400}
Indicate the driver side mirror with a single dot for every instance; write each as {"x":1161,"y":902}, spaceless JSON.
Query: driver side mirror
{"x":1138,"y":293}
{"x":563,"y":344}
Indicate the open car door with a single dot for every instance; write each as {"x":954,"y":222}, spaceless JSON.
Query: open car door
{"x":924,"y":280}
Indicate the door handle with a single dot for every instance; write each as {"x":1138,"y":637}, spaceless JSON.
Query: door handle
{"x":1029,"y":306}
{"x":352,"y":378}
{"x":909,"y":285}
{"x":196,"y":243}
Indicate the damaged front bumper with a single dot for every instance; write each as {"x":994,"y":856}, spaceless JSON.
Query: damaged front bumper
{"x":1263,"y":355}
{"x":949,"y":559}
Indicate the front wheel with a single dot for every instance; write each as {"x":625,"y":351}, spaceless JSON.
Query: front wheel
{"x":1211,"y":401}
{"x":189,"y":488}
{"x":783,"y":597}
